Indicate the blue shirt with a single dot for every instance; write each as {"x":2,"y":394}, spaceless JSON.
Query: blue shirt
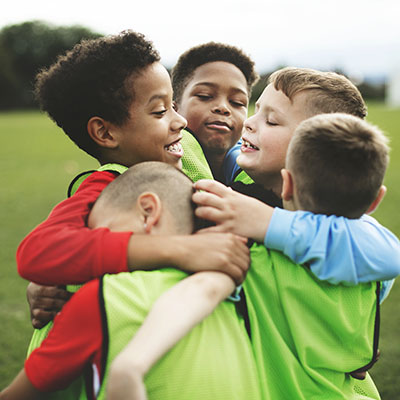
{"x":337,"y":249}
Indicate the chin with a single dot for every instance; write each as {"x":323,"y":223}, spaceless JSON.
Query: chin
{"x":175,"y":163}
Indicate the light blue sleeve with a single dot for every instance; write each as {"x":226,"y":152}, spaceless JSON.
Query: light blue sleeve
{"x":337,"y":249}
{"x":229,"y":165}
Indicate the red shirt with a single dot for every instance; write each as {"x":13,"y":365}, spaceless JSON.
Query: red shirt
{"x":74,"y":344}
{"x":62,"y":250}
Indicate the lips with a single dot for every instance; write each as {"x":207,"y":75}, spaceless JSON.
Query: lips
{"x":219,"y":126}
{"x":175,"y":148}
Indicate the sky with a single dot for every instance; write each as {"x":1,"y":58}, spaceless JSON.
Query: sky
{"x":361,"y":37}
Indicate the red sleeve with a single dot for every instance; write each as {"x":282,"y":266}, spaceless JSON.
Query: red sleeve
{"x":74,"y":342}
{"x":62,"y":250}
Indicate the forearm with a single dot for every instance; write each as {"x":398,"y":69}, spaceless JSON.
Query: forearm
{"x":338,"y":250}
{"x":21,"y":388}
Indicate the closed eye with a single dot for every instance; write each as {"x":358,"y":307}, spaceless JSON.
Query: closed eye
{"x":160,"y":113}
{"x":203,"y":97}
{"x":238,"y":104}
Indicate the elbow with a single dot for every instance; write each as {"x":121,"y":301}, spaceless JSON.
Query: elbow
{"x":213,"y":286}
{"x":24,"y":265}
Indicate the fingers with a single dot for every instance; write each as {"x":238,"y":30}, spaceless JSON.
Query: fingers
{"x":41,"y":318}
{"x":208,"y":199}
{"x":45,"y":302}
{"x":211,"y":186}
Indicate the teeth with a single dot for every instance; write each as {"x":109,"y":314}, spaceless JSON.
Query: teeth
{"x":249,"y":145}
{"x":174,"y":147}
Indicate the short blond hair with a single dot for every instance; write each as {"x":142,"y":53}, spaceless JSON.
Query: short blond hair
{"x":329,"y":92}
{"x":338,"y":163}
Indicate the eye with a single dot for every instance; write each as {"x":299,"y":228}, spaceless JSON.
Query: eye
{"x":160,"y":113}
{"x":238,"y":103}
{"x":203,"y":97}
{"x":271,"y":123}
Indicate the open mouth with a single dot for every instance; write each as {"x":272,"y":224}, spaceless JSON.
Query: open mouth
{"x":247,"y":145}
{"x":175,"y":148}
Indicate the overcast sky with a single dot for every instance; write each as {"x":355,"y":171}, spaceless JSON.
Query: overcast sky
{"x":360,"y":36}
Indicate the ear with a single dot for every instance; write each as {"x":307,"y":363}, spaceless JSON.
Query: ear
{"x":149,"y":206}
{"x":101,"y":132}
{"x":381,"y":193}
{"x":287,"y":185}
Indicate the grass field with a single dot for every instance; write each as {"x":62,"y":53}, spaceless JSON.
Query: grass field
{"x":37,"y":162}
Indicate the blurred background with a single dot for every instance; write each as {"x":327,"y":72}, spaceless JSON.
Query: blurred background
{"x":360,"y":39}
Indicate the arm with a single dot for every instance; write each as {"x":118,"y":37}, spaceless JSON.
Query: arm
{"x":338,"y":250}
{"x":64,"y":354}
{"x":63,"y":250}
{"x":60,"y":249}
{"x":172,"y":316}
{"x":21,"y":388}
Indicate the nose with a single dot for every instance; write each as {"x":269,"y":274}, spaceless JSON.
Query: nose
{"x":249,"y":125}
{"x":178,"y":122}
{"x":221,"y":107}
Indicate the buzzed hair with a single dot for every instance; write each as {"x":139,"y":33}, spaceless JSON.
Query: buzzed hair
{"x":338,"y":163}
{"x":94,"y":78}
{"x":329,"y":92}
{"x":197,"y":56}
{"x":171,"y":185}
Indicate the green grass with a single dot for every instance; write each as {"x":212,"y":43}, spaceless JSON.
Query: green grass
{"x":37,"y":163}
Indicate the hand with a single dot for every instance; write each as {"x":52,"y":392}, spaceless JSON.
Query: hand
{"x":45,"y":302}
{"x":231,"y":211}
{"x":210,"y":251}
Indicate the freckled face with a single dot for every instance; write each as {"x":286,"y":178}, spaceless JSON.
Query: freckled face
{"x":267,"y":133}
{"x":214,"y":103}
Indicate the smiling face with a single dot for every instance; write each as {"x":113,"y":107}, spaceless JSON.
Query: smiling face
{"x":153,"y":131}
{"x":214,"y":103}
{"x":267,"y":133}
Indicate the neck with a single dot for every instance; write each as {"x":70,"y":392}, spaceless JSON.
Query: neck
{"x":269,"y":182}
{"x":215,"y":161}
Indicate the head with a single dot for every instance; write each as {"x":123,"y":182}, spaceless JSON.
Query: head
{"x":212,"y":85}
{"x":113,"y":98}
{"x":335,"y":164}
{"x":291,"y":96}
{"x":149,"y":198}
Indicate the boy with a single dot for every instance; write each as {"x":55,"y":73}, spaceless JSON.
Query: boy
{"x":291,"y":96}
{"x":307,"y":335}
{"x":214,"y":362}
{"x":366,"y":257}
{"x":113,"y":98}
{"x":212,"y":85}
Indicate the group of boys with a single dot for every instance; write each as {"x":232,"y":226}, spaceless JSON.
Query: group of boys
{"x":290,"y":331}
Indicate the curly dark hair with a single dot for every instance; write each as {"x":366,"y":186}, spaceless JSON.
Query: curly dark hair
{"x":94,"y":78}
{"x":209,"y":52}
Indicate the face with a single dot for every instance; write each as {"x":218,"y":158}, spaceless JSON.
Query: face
{"x":153,"y":131}
{"x":214,"y":103}
{"x":267,"y":133}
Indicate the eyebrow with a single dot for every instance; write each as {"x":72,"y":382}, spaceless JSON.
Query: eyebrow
{"x":270,"y":109}
{"x":157,"y":97}
{"x":214,"y":85}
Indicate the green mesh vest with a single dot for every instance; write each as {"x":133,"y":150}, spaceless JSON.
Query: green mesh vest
{"x":307,"y":335}
{"x":214,"y":361}
{"x":195,"y":167}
